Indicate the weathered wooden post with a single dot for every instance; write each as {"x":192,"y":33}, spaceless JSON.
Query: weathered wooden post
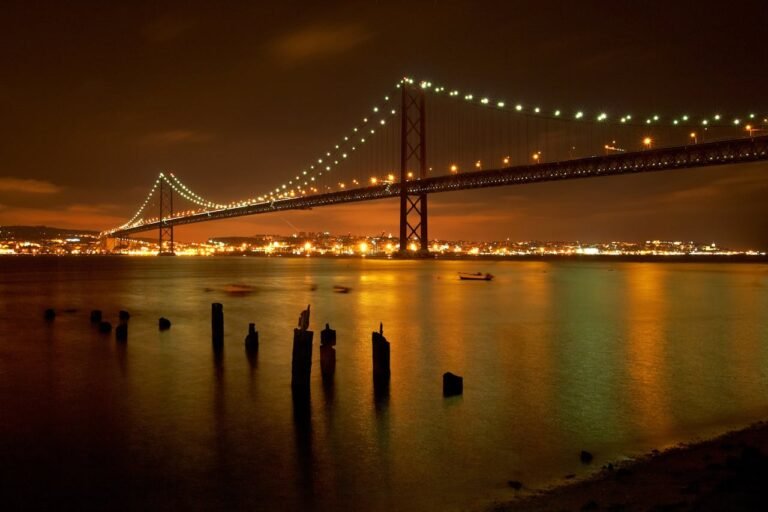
{"x":301,"y":364}
{"x":252,"y":339}
{"x":217,"y":323}
{"x":328,"y":352}
{"x":380,"y":347}
{"x":452,"y":384}
{"x":121,"y":331}
{"x":49,"y":314}
{"x":96,"y":316}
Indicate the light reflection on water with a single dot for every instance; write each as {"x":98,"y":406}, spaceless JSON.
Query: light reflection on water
{"x":617,"y":358}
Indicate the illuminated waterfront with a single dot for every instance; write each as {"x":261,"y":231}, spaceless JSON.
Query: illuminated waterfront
{"x":617,"y":358}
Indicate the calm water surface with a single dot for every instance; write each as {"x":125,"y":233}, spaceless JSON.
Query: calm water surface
{"x":617,"y":358}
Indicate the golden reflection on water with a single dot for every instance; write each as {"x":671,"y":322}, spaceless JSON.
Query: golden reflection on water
{"x":646,"y":336}
{"x":557,"y":357}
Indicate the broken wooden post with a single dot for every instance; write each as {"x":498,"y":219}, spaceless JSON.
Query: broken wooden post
{"x":96,"y":316}
{"x":327,"y":352}
{"x":217,"y":323}
{"x":252,"y":339}
{"x":124,"y":316}
{"x":452,"y":384}
{"x":380,"y":347}
{"x":301,"y":364}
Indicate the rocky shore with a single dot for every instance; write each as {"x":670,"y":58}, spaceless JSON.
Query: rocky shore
{"x":728,"y":473}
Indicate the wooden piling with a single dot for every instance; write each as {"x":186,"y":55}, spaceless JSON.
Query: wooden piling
{"x":301,"y":363}
{"x":252,"y":339}
{"x":452,"y":384}
{"x":121,"y":332}
{"x":327,"y":352}
{"x":380,"y":348}
{"x":96,"y":316}
{"x":217,"y":323}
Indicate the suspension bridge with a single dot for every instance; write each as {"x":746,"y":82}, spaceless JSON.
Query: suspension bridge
{"x":473,"y":142}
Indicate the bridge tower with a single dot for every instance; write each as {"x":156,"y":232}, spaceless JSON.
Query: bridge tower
{"x":165,"y":241}
{"x":413,"y":162}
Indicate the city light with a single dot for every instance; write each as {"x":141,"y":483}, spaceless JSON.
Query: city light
{"x":454,"y":168}
{"x":647,"y":142}
{"x":374,"y":180}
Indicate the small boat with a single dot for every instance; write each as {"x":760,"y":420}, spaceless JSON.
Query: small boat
{"x":239,"y":289}
{"x":477,"y":276}
{"x":341,"y":289}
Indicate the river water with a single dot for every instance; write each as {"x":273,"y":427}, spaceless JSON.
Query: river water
{"x":616,"y":358}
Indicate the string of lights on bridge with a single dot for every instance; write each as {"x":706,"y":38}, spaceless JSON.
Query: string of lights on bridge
{"x":289,"y":189}
{"x":305,"y":181}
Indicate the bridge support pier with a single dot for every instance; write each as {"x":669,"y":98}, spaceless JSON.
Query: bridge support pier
{"x":165,"y":239}
{"x":414,"y":237}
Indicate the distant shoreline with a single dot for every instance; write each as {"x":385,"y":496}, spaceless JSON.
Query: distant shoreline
{"x":744,"y":258}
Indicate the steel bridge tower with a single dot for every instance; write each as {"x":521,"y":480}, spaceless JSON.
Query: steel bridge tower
{"x":414,"y":239}
{"x":165,"y":240}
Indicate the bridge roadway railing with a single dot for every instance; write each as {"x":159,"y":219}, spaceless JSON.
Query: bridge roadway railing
{"x":663,"y":159}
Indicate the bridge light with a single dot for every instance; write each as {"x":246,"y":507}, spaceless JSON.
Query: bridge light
{"x":412,"y":246}
{"x":518,"y":107}
{"x":579,"y":115}
{"x":736,"y":121}
{"x":717,"y":117}
{"x":557,"y":113}
{"x":382,"y":122}
{"x":484,"y":101}
{"x":375,"y":109}
{"x":500,"y":104}
{"x":342,"y":185}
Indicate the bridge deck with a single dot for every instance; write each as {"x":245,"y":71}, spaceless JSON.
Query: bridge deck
{"x":663,"y":159}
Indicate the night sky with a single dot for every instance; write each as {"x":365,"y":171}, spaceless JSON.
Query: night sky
{"x":98,"y":97}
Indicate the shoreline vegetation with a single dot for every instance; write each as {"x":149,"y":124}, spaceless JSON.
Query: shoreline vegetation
{"x":728,"y":472}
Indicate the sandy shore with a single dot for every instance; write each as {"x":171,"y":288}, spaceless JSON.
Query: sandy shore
{"x":726,"y":473}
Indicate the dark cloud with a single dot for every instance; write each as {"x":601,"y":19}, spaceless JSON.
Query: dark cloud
{"x":318,"y":42}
